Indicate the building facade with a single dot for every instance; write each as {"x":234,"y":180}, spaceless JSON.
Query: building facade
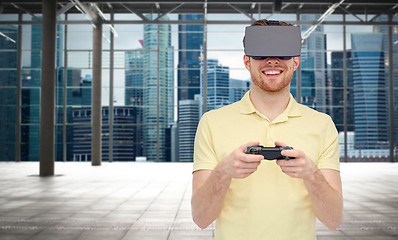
{"x":217,"y":85}
{"x":370,"y":95}
{"x":158,"y":95}
{"x":124,"y":134}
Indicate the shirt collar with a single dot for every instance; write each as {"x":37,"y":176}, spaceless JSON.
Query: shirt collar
{"x":292,"y":110}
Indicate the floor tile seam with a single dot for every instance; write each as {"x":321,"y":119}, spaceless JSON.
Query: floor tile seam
{"x":153,"y":200}
{"x":179,"y":206}
{"x":127,"y":200}
{"x":110,"y":211}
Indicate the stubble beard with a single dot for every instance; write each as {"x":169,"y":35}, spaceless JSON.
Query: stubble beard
{"x":271,"y":87}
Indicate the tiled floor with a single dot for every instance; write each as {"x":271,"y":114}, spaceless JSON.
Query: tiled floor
{"x":152,"y":201}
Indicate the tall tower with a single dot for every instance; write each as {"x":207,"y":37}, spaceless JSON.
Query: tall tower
{"x":134,"y":91}
{"x":384,"y":30}
{"x":158,"y":93}
{"x":190,"y":41}
{"x":370,"y":96}
{"x":8,"y":83}
{"x":313,"y":67}
{"x":338,"y":91}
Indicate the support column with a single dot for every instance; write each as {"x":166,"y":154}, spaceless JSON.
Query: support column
{"x":65,"y":90}
{"x":47,"y":103}
{"x":96,"y":108}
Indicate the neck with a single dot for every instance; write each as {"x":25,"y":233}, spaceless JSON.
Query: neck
{"x":269,"y":104}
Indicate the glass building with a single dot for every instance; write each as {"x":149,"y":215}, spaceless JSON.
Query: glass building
{"x":158,"y":89}
{"x":217,"y":85}
{"x":370,"y":93}
{"x":156,"y":55}
{"x":8,"y":80}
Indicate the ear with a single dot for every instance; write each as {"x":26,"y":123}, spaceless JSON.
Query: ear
{"x":246,"y":61}
{"x":296,"y":61}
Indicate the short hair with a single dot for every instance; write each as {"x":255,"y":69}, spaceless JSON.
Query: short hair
{"x":265,"y":22}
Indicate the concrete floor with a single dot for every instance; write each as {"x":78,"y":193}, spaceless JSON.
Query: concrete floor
{"x":152,"y":201}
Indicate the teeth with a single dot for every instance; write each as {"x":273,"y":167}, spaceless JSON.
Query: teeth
{"x":272,"y":72}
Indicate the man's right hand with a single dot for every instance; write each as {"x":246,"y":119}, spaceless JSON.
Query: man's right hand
{"x":210,"y":186}
{"x":239,"y":164}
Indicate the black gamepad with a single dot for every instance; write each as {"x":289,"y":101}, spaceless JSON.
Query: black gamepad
{"x":269,"y":153}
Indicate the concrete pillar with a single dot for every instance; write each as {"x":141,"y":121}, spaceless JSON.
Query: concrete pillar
{"x":47,"y":104}
{"x":96,"y":108}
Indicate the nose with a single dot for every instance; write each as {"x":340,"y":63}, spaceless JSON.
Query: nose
{"x":272,"y":60}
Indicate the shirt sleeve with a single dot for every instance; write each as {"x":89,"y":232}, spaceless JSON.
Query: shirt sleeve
{"x":330,"y":156}
{"x":204,"y":154}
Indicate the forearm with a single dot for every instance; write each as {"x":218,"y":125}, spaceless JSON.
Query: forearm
{"x":327,"y":201}
{"x":207,"y":199}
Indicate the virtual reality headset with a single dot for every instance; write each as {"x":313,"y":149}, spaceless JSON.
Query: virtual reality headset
{"x":272,"y":41}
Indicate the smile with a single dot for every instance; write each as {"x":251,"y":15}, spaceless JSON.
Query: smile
{"x":272,"y":72}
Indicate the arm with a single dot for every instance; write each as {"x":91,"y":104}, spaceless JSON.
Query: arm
{"x":324,"y":186}
{"x":210,"y":186}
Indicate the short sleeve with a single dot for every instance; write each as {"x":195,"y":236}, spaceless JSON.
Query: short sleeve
{"x":204,"y":155}
{"x":329,"y":155}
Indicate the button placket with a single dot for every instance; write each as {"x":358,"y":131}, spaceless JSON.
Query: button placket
{"x":271,"y":135}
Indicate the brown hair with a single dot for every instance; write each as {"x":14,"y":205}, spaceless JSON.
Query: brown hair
{"x":265,"y":22}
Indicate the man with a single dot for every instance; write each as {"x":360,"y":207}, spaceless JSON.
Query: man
{"x":248,"y":196}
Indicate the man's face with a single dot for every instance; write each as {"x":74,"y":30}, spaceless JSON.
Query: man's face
{"x":271,"y":74}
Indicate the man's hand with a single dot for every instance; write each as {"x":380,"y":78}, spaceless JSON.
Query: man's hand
{"x":299,"y":167}
{"x":238,"y":164}
{"x":324,"y":186}
{"x":210,"y":186}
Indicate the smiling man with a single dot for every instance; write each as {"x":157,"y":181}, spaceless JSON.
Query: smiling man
{"x":254,"y":196}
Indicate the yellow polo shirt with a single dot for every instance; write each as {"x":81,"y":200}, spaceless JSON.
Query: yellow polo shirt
{"x":268,"y":204}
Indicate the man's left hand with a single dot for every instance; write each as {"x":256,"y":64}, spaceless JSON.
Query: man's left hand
{"x":299,"y":167}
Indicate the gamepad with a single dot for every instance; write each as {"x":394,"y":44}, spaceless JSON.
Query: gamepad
{"x":269,"y":153}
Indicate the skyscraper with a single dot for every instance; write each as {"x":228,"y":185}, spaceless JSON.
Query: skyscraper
{"x":190,"y":41}
{"x":8,"y":93}
{"x":370,"y":98}
{"x":384,"y":30}
{"x":134,"y":91}
{"x":314,"y":67}
{"x":338,"y":90}
{"x":158,"y":94}
{"x":188,"y":117}
{"x":217,"y":84}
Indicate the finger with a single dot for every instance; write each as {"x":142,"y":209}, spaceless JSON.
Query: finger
{"x":282,"y":144}
{"x":293,"y":153}
{"x":252,"y":158}
{"x":243,"y":147}
{"x":250,"y":165}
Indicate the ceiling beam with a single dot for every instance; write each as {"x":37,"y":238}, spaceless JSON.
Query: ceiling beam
{"x":242,"y":11}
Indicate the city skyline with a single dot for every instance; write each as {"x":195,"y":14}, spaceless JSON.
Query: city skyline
{"x":315,"y":76}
